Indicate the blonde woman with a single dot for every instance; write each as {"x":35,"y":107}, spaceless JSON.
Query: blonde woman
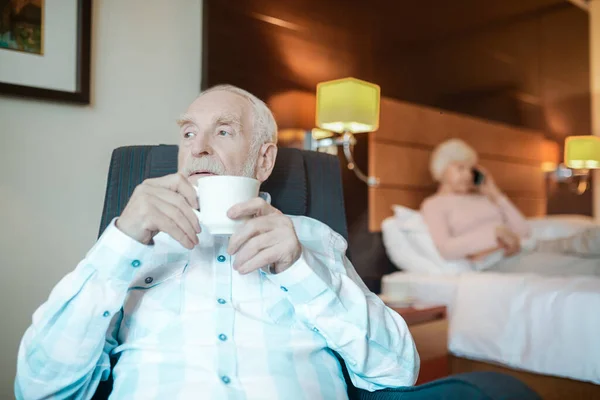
{"x":471,"y":218}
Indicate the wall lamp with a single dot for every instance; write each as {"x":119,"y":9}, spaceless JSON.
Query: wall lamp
{"x":346,"y":107}
{"x":582,"y":154}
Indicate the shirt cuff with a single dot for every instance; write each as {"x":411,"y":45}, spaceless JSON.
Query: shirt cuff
{"x":304,"y":280}
{"x":117,"y":256}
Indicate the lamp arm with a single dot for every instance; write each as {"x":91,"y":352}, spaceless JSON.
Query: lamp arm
{"x":347,"y":141}
{"x":583,"y":183}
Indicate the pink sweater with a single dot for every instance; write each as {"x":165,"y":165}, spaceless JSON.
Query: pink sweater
{"x":463,"y":225}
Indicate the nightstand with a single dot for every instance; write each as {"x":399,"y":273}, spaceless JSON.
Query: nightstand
{"x":429,"y":328}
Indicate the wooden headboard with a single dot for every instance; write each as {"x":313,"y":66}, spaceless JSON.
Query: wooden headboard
{"x":399,"y":156}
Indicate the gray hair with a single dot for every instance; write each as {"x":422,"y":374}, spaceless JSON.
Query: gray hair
{"x":450,"y":151}
{"x":264,"y":127}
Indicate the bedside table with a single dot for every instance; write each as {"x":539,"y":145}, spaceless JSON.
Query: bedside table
{"x":429,"y":328}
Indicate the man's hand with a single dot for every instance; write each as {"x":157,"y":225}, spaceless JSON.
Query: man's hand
{"x":267,"y":239}
{"x":162,"y":205}
{"x":510,"y":241}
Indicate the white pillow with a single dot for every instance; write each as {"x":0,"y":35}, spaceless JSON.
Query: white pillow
{"x":410,"y":220}
{"x":559,"y":226}
{"x":410,"y":247}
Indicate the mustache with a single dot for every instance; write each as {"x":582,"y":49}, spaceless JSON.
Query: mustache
{"x":208,"y":164}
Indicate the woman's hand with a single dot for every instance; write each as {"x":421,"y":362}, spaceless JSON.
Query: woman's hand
{"x":483,"y":254}
{"x":510,"y":241}
{"x":488,"y":187}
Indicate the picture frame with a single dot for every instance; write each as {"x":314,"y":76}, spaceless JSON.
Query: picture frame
{"x":57,"y":54}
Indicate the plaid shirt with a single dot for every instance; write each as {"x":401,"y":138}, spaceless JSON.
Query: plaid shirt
{"x":185,"y":325}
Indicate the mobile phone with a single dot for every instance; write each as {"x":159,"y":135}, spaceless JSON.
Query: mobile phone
{"x":478,"y":177}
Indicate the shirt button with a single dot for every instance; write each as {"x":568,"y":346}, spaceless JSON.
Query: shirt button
{"x":148,"y":279}
{"x":105,"y":314}
{"x":315,"y":329}
{"x":225,"y":379}
{"x":136,"y":263}
{"x":221,"y":258}
{"x":222,"y":337}
{"x":284,"y":288}
{"x":221,"y":301}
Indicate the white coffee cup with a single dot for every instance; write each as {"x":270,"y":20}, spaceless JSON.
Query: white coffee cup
{"x":216,"y":195}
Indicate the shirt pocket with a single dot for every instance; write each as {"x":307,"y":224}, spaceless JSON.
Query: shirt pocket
{"x":154,"y":301}
{"x":278,"y":309}
{"x":281,"y":312}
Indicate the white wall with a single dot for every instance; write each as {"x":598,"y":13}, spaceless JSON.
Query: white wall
{"x":54,"y":157}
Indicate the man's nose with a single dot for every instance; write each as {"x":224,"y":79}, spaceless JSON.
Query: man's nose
{"x":201,"y":145}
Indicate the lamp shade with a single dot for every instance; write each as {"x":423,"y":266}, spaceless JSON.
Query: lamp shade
{"x":348,"y":105}
{"x":582,"y":152}
{"x":321,"y":133}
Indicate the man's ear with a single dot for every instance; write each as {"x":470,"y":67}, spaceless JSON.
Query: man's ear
{"x":266,"y":161}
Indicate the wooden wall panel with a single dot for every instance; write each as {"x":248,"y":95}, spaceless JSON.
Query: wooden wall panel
{"x":523,"y":180}
{"x":399,"y":155}
{"x":407,"y":166}
{"x":406,"y":123}
{"x":399,"y":165}
{"x":381,"y":201}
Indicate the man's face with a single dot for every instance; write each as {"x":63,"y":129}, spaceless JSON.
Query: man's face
{"x":216,"y":137}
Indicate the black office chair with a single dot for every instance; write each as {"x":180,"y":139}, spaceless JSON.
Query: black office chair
{"x":302,"y":183}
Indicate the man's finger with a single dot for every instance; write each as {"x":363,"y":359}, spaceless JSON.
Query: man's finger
{"x":168,"y":226}
{"x":251,"y":208}
{"x":265,"y":257}
{"x":250,"y":229}
{"x":185,"y":188}
{"x":178,"y":201}
{"x":177,"y":183}
{"x":254,"y":246}
{"x":176,"y":216}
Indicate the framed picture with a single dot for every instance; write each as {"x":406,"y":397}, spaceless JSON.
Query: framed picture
{"x":45,"y":49}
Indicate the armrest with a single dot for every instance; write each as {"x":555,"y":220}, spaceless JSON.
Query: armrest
{"x":472,"y":386}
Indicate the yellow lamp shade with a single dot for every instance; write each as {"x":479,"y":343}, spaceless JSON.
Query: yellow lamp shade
{"x":582,"y":152}
{"x":321,"y":133}
{"x":348,"y":105}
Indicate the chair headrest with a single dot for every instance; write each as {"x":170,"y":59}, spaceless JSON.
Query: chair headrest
{"x":286,"y":185}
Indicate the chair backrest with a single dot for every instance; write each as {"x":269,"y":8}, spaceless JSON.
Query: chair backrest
{"x":302,"y":183}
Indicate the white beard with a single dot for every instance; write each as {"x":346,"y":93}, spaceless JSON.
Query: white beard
{"x":249,"y":169}
{"x":213,"y":165}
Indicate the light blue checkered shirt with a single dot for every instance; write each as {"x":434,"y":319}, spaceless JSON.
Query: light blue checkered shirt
{"x":185,"y":325}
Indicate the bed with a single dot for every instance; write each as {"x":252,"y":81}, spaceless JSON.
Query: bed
{"x":534,"y":312}
{"x":541,"y":329}
{"x":546,"y":325}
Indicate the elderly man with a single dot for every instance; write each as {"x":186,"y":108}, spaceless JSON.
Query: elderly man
{"x":192,"y":316}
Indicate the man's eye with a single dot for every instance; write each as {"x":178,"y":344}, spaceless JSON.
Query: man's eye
{"x":223,"y":133}
{"x":188,"y":135}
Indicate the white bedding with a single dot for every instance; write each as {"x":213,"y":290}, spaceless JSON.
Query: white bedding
{"x":547,"y":325}
{"x":409,"y":246}
{"x":549,"y":264}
